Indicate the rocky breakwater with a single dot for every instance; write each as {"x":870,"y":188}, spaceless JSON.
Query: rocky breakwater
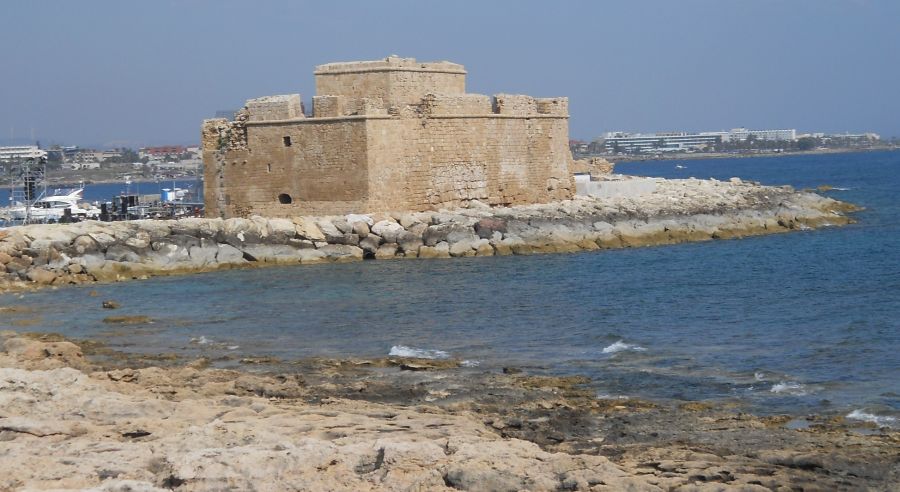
{"x":659,"y":212}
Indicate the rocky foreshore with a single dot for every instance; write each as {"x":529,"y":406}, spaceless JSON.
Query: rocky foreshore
{"x":68,"y":422}
{"x":660,"y":212}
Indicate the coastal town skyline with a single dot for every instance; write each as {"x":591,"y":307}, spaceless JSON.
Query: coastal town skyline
{"x":105,"y":75}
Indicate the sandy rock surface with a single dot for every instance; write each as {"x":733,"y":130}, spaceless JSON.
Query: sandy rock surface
{"x":389,"y":424}
{"x":124,"y":430}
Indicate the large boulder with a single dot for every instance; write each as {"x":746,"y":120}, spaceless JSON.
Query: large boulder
{"x":280,"y":231}
{"x":388,"y":230}
{"x":348,"y":239}
{"x":327,"y":227}
{"x":272,"y":253}
{"x":41,"y":276}
{"x":203,"y":256}
{"x":409,"y":243}
{"x":120,"y":252}
{"x":229,"y":255}
{"x":306,"y":228}
{"x":341,"y":252}
{"x":486,"y":227}
{"x":369,"y":244}
{"x":386,"y":251}
{"x":465,"y":247}
{"x":439,"y":250}
{"x":85,"y":244}
{"x":450,"y":232}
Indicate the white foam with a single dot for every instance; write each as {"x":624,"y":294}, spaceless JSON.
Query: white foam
{"x":621,"y":346}
{"x":233,"y":347}
{"x":880,"y":420}
{"x":759,"y":376}
{"x":789,"y":388}
{"x":841,"y":189}
{"x":604,"y":396}
{"x":417,"y":353}
{"x":470,"y":363}
{"x":202,"y":340}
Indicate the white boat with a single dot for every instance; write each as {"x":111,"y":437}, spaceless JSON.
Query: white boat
{"x":52,"y":208}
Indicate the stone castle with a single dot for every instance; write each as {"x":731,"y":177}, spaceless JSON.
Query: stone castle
{"x":387,"y":135}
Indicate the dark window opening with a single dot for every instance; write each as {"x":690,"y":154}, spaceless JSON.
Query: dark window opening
{"x":287,"y":141}
{"x":268,"y":168}
{"x":285,"y":198}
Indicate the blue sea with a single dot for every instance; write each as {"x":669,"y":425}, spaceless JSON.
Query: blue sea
{"x":806,"y":322}
{"x":104,"y":192}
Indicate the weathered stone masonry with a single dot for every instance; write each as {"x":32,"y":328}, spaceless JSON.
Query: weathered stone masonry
{"x":386,"y":135}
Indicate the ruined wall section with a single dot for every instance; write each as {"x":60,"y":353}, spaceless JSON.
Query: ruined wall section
{"x":221,"y":140}
{"x":274,"y":108}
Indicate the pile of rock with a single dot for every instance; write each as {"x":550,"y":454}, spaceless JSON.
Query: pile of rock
{"x":677,"y":211}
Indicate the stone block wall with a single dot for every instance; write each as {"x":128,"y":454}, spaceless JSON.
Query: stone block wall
{"x":397,"y":81}
{"x":514,"y":104}
{"x":447,"y":162}
{"x":455,"y":104}
{"x":302,"y":168}
{"x":328,"y":106}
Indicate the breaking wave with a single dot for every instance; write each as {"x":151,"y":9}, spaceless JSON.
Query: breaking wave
{"x":789,"y":388}
{"x":417,"y":353}
{"x":621,"y":346}
{"x":879,"y":420}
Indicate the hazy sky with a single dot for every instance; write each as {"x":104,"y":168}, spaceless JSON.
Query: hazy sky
{"x":135,"y":73}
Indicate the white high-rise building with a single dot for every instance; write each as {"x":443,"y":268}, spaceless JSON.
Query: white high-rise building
{"x":21,"y":152}
{"x":741,"y":134}
{"x":680,"y":141}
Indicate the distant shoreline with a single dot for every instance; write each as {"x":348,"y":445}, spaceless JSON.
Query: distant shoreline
{"x":723,"y":155}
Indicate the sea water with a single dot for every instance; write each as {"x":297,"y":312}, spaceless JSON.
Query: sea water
{"x":789,"y":323}
{"x":104,"y":192}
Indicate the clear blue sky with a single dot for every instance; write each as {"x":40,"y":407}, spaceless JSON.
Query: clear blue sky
{"x":134,"y":73}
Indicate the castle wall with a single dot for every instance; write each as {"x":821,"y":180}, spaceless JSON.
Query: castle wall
{"x":447,"y":161}
{"x":322,"y":171}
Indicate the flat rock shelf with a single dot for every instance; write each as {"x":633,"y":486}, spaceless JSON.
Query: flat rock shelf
{"x":380,"y":424}
{"x":621,"y":212}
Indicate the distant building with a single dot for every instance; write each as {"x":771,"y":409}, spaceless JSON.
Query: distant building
{"x":741,"y":134}
{"x":21,"y":152}
{"x":185,"y":165}
{"x":854,"y":137}
{"x":616,"y":142}
{"x":158,"y":152}
{"x":579,"y":147}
